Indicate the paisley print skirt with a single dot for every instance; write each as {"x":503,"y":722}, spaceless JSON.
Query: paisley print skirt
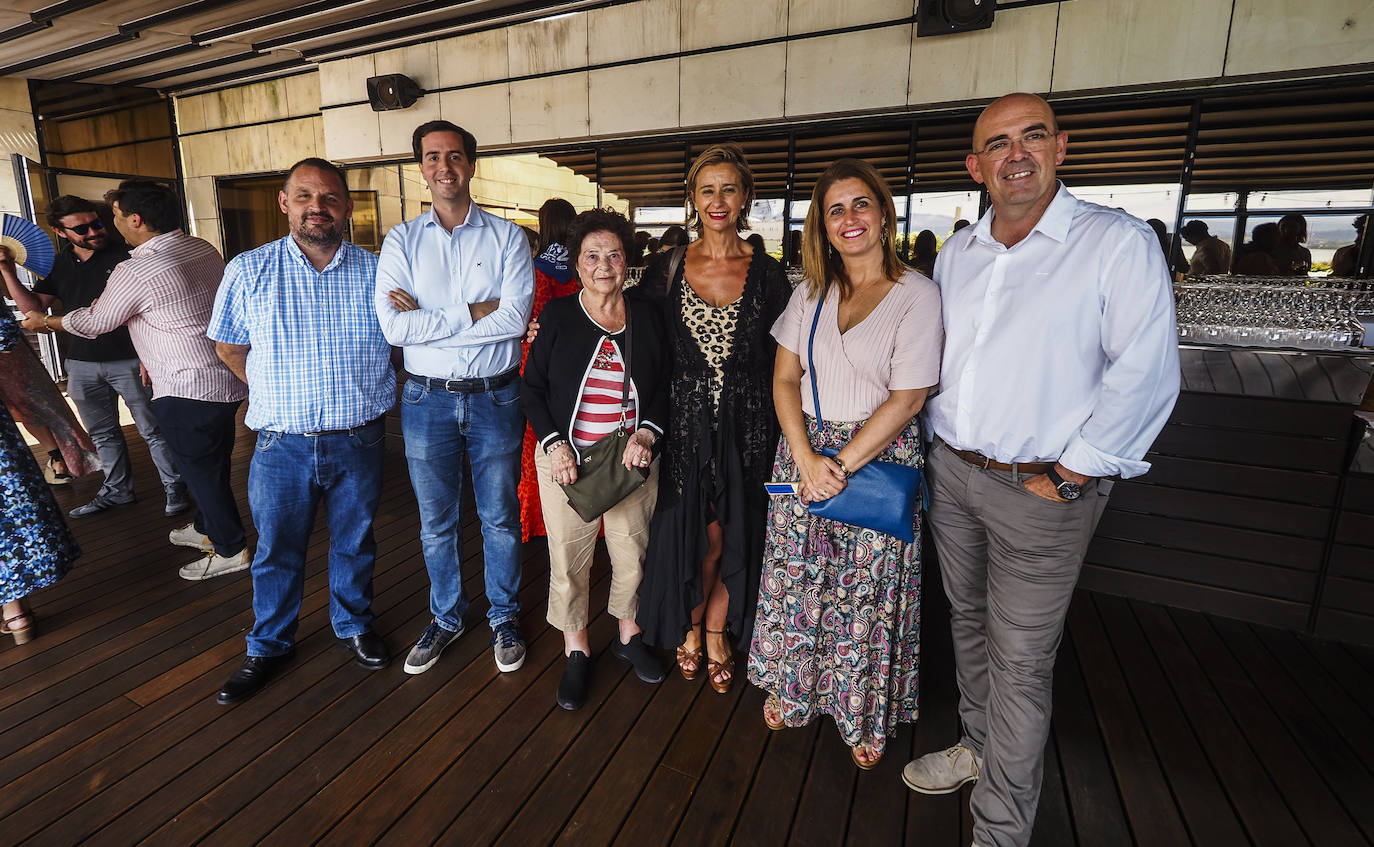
{"x":839,"y":614}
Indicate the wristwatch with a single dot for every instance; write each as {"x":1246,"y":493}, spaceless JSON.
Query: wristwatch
{"x":1067,"y":490}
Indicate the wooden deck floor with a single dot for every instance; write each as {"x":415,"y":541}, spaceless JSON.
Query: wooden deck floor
{"x":1170,"y":727}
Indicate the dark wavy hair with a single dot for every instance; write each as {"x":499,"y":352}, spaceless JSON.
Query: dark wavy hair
{"x":600,"y":220}
{"x":155,"y":202}
{"x":67,"y":204}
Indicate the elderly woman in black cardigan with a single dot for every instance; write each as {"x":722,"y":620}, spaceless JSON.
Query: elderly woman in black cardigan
{"x":572,"y":397}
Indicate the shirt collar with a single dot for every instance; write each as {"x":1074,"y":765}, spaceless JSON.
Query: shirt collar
{"x":1054,"y":222}
{"x":156,"y":243}
{"x":294,"y":250}
{"x":474,"y":217}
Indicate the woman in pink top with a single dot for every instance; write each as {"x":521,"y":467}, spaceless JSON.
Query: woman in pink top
{"x":837,"y":630}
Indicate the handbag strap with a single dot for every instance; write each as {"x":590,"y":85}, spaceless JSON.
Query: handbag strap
{"x":674,"y":259}
{"x":811,"y":361}
{"x":625,"y":383}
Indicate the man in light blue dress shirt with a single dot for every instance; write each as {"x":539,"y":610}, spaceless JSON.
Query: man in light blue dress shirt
{"x":294,"y":320}
{"x":454,"y":289}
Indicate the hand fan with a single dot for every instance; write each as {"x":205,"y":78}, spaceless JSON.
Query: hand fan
{"x":30,"y":245}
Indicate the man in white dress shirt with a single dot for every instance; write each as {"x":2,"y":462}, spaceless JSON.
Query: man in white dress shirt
{"x":1060,"y":367}
{"x":454,"y":289}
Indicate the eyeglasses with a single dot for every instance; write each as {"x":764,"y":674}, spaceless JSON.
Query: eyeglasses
{"x":82,"y":229}
{"x":1032,"y":142}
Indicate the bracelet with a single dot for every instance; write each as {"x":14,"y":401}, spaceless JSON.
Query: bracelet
{"x":562,"y":442}
{"x":47,"y":325}
{"x":847,"y":472}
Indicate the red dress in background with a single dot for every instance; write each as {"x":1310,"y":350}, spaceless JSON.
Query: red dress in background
{"x":554,"y":276}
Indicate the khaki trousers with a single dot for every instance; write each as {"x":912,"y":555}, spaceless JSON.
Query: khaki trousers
{"x":572,"y":541}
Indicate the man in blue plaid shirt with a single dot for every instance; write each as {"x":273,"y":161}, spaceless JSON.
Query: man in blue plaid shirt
{"x":294,"y":320}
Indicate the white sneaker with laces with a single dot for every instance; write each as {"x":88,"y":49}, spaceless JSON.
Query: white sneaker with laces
{"x":214,"y":565}
{"x":187,"y":536}
{"x":944,"y":771}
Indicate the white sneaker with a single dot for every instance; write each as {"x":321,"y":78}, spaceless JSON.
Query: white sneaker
{"x":187,"y":536}
{"x":215,"y":565}
{"x":944,"y":771}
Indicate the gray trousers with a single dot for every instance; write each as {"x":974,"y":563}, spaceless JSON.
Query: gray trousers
{"x":1009,"y":560}
{"x":94,"y":388}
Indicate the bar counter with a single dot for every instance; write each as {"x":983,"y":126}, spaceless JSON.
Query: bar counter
{"x":1259,"y":504}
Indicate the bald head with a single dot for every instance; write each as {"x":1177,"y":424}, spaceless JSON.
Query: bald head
{"x":1017,"y":149}
{"x":1018,"y":103}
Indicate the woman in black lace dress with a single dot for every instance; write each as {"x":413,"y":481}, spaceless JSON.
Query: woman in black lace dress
{"x":720,"y":298}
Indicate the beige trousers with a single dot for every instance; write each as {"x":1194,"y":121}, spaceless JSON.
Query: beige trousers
{"x":572,"y":541}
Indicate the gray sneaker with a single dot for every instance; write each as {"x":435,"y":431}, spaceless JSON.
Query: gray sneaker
{"x":99,"y":504}
{"x":178,"y":502}
{"x":944,"y":771}
{"x":508,"y":647}
{"x":426,"y":651}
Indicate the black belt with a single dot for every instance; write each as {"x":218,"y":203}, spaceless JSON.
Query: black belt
{"x":473,"y":385}
{"x":349,"y":431}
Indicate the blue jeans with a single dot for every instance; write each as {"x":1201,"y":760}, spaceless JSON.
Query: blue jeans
{"x":439,"y":428}
{"x":289,"y":477}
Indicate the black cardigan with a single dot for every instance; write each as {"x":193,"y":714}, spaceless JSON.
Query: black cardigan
{"x":563,"y":351}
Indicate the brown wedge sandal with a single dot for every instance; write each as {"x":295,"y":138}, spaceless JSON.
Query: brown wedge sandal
{"x":871,"y":763}
{"x":692,"y":657}
{"x":715,"y":669}
{"x":772,"y":713}
{"x":23,"y":634}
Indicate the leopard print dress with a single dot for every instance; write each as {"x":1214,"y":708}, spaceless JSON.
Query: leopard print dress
{"x":713,"y":327}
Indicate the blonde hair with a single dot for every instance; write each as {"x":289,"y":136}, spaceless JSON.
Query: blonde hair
{"x":821,"y":263}
{"x":721,"y":154}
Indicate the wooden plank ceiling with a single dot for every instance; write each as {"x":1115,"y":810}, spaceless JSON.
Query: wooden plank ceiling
{"x":175,"y":45}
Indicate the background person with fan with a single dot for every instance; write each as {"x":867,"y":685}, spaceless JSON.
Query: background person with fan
{"x":100,"y":370}
{"x":838,"y":625}
{"x":165,"y":293}
{"x":23,"y":243}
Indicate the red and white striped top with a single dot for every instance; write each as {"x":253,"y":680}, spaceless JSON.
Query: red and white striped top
{"x":598,"y":410}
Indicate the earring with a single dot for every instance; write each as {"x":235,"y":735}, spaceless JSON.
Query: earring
{"x":884,"y":233}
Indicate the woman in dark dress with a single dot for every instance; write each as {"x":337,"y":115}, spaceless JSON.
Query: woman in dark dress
{"x":720,"y":299}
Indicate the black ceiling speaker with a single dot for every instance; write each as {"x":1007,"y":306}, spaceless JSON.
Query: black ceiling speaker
{"x":392,"y":91}
{"x":942,"y":17}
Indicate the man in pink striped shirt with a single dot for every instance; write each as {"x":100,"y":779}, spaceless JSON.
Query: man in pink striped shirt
{"x":165,"y":293}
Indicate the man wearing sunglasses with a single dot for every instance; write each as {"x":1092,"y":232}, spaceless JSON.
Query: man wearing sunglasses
{"x":100,"y":370}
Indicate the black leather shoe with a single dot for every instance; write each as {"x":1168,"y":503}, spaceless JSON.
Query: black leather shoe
{"x":572,"y":689}
{"x":368,"y":649}
{"x":252,"y":675}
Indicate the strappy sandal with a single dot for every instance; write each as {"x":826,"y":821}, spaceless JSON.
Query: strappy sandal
{"x":692,"y":657}
{"x":715,"y":669}
{"x":23,"y":634}
{"x":50,"y":472}
{"x":860,"y":763}
{"x":771,"y":707}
